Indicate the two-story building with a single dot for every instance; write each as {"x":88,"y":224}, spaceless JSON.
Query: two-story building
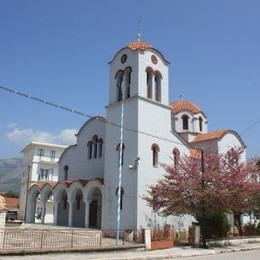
{"x":40,"y":166}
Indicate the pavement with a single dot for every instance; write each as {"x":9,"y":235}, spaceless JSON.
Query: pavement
{"x":175,"y":252}
{"x":141,"y":254}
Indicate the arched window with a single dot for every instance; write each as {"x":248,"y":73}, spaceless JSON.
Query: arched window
{"x":157,"y":81}
{"x":155,"y":150}
{"x":100,"y":147}
{"x":89,"y":150}
{"x":122,"y":193}
{"x":119,"y":154}
{"x":201,"y":124}
{"x":149,"y":82}
{"x":119,"y":81}
{"x":185,"y":122}
{"x":66,"y":172}
{"x":94,"y":143}
{"x":128,"y":73}
{"x":176,"y":157}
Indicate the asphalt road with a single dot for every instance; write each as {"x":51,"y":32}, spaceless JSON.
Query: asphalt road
{"x":244,"y":255}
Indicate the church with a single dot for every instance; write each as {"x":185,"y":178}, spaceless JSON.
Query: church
{"x":103,"y":176}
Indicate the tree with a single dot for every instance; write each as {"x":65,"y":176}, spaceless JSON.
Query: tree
{"x":218,"y":183}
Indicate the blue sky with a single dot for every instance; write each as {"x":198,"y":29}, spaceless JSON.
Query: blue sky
{"x":58,"y":50}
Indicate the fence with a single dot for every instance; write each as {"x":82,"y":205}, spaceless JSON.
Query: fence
{"x":166,"y":233}
{"x":26,"y":240}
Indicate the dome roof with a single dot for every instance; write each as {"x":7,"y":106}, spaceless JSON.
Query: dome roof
{"x":139,"y":45}
{"x":180,"y":105}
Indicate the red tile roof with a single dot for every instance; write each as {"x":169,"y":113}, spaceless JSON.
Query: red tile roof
{"x":139,"y":45}
{"x":180,"y":105}
{"x":12,"y":202}
{"x":210,"y":136}
{"x":40,"y":185}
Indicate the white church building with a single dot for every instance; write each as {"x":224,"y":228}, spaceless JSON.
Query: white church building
{"x":151,"y":129}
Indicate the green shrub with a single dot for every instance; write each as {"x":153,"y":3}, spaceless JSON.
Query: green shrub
{"x":217,"y":225}
{"x":249,"y":229}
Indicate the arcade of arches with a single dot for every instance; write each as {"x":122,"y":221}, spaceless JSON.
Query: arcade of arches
{"x":73,"y":204}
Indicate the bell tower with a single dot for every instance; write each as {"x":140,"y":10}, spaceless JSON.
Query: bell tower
{"x":138,"y":70}
{"x":138,"y":96}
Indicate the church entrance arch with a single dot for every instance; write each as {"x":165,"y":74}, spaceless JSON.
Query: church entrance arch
{"x":95,"y":207}
{"x":78,"y":209}
{"x":63,"y":209}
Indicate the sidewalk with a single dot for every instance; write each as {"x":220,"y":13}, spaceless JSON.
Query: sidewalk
{"x":175,"y":252}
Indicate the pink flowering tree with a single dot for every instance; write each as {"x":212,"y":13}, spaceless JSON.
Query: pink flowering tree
{"x":213,"y":183}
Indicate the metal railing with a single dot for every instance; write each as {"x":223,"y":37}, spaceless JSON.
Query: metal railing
{"x":26,"y":240}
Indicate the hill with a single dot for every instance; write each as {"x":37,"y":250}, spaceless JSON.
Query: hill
{"x":10,"y":174}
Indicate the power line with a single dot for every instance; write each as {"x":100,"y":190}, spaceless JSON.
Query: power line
{"x":250,"y":127}
{"x":45,"y":101}
{"x":85,"y":114}
{"x":102,"y":119}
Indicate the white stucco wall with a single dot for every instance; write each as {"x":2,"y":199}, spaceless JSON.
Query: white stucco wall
{"x":76,"y":156}
{"x":144,"y":116}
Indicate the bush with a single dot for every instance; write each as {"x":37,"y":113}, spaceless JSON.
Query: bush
{"x":249,"y":229}
{"x":217,"y":225}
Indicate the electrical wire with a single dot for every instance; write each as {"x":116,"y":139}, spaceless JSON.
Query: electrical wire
{"x":104,"y":120}
{"x":101,"y":119}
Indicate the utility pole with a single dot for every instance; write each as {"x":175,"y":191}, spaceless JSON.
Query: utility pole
{"x":203,"y":220}
{"x":120,"y":175}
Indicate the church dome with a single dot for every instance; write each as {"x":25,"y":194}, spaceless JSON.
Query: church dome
{"x":139,"y":45}
{"x":180,"y":105}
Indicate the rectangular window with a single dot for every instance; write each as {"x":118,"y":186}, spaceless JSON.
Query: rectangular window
{"x":41,"y":152}
{"x":52,"y":154}
{"x":45,"y":175}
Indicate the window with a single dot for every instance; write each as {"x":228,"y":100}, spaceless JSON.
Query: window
{"x":155,"y":150}
{"x":157,"y":81}
{"x":45,"y":175}
{"x":122,"y":192}
{"x":201,"y":124}
{"x":119,"y":149}
{"x":95,"y":147}
{"x":89,"y":150}
{"x":66,"y":172}
{"x":100,"y":147}
{"x":185,"y":122}
{"x":128,"y":73}
{"x":176,"y":157}
{"x":119,"y":81}
{"x":41,"y":152}
{"x":149,"y":82}
{"x":94,"y":142}
{"x":52,"y":154}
